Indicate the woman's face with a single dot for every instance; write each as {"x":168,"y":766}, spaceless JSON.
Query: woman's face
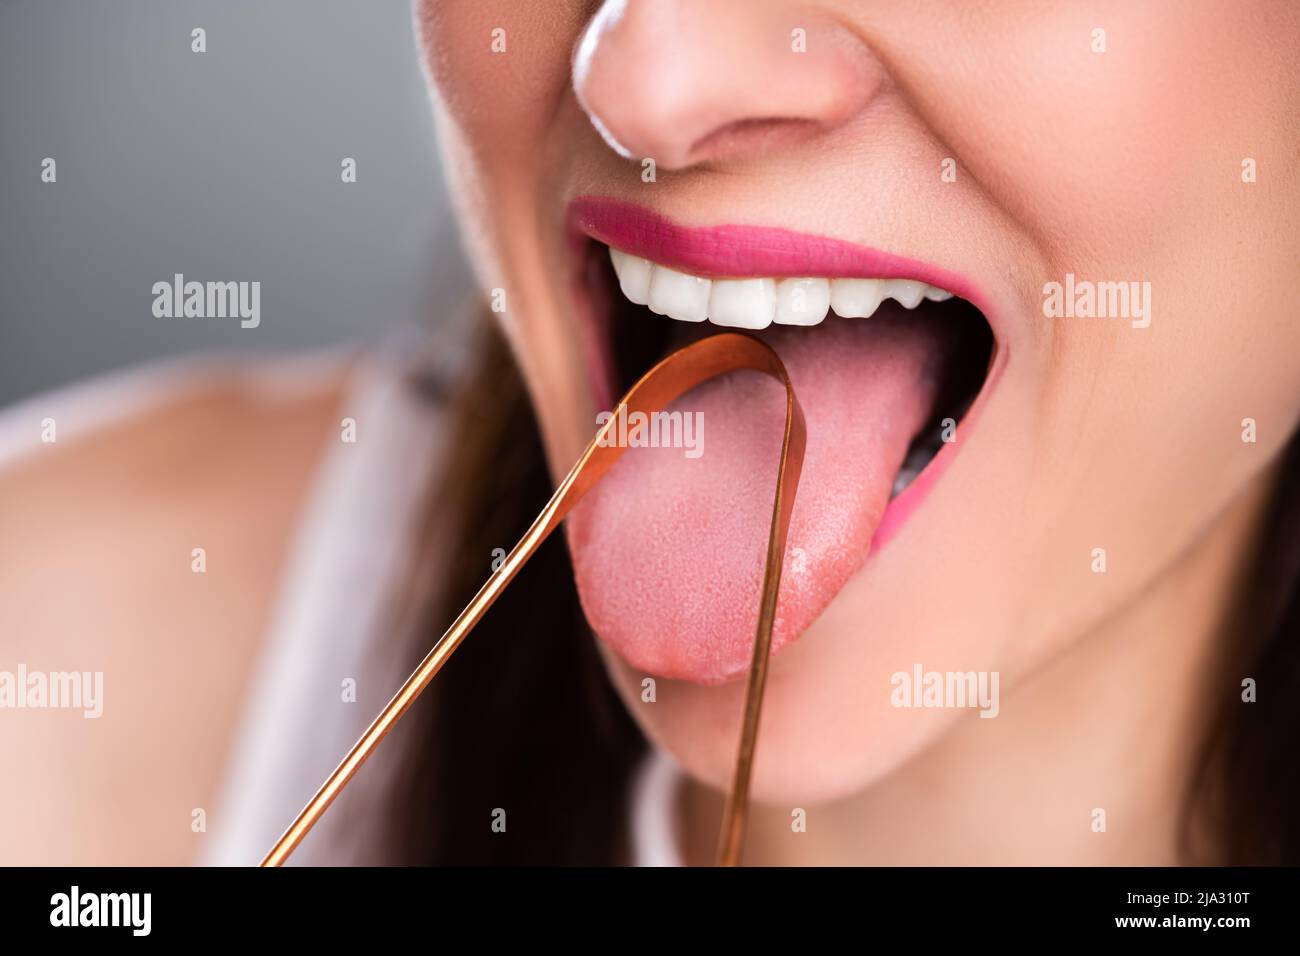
{"x":1113,"y":185}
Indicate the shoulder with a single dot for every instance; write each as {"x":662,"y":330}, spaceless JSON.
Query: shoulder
{"x":161,"y":444}
{"x":109,"y":493}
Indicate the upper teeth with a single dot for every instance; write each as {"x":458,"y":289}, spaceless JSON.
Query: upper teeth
{"x":757,"y":303}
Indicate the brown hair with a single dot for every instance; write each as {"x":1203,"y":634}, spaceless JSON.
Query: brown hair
{"x":524,"y":718}
{"x":1246,"y":786}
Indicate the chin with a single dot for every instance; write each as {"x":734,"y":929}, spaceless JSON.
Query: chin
{"x":823,"y":737}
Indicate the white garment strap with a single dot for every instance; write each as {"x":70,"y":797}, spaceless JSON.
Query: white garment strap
{"x":318,"y":687}
{"x":655,"y":789}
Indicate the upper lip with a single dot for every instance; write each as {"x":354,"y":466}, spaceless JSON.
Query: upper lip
{"x":743,"y":250}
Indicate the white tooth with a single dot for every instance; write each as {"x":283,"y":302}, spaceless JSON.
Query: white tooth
{"x":678,"y":295}
{"x":935,"y":294}
{"x":633,"y":275}
{"x":908,"y":292}
{"x":904,"y":478}
{"x":742,"y":303}
{"x":802,"y":301}
{"x":855,"y":298}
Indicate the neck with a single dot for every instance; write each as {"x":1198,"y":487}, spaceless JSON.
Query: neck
{"x":1104,"y":736}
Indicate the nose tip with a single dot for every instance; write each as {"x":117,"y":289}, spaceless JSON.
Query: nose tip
{"x":685,"y":82}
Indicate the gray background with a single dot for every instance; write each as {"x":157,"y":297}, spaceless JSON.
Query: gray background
{"x":224,"y":166}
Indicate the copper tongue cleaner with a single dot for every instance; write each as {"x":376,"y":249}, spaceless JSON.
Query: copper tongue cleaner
{"x":658,"y":388}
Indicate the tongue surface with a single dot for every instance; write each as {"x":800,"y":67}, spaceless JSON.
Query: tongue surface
{"x":668,"y":549}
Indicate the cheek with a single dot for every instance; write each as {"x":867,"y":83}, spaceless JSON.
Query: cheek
{"x":1125,"y":165}
{"x":500,"y":68}
{"x":495,"y":72}
{"x":1099,"y":149}
{"x":501,"y":76}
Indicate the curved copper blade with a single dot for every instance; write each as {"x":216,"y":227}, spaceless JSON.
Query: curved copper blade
{"x":658,"y":388}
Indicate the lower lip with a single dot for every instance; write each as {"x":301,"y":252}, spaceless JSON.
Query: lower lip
{"x":906,"y":502}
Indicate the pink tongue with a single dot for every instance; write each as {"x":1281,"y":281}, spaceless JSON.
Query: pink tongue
{"x":668,"y":550}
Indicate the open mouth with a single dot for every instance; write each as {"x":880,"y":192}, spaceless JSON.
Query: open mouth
{"x":888,"y":360}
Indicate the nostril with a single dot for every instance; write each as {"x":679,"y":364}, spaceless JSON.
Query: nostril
{"x":752,"y":136}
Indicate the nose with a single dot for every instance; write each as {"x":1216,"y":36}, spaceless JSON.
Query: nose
{"x":691,"y":81}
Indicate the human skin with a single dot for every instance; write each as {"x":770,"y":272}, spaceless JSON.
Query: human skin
{"x":1119,"y":165}
{"x":96,"y":575}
